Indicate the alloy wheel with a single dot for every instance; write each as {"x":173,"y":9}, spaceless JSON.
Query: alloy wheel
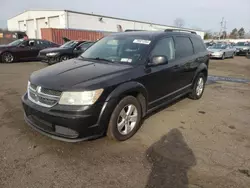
{"x":200,"y":86}
{"x":127,"y":119}
{"x":7,"y":57}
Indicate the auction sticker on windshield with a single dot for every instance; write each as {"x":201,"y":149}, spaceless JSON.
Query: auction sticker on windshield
{"x":140,"y":41}
{"x":126,"y":60}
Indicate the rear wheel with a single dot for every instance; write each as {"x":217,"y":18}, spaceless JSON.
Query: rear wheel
{"x":7,"y":57}
{"x":125,"y":119}
{"x":198,"y":88}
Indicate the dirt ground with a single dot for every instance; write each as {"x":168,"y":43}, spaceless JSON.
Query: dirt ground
{"x":190,"y":144}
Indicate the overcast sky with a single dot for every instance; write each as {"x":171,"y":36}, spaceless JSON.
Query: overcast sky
{"x":203,"y":14}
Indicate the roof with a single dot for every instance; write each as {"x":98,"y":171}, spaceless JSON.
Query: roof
{"x":152,"y":34}
{"x":98,"y":15}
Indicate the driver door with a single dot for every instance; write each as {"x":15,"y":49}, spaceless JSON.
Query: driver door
{"x":161,"y":81}
{"x":23,"y":50}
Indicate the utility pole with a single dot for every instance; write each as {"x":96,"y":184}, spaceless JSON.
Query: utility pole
{"x":225,"y":29}
{"x":221,"y":26}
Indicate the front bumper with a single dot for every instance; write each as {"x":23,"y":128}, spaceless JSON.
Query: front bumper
{"x":212,"y":55}
{"x":49,"y":60}
{"x":66,"y":123}
{"x":242,"y":52}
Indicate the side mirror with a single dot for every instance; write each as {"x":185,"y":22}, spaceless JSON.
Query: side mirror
{"x":78,"y":48}
{"x":158,"y":60}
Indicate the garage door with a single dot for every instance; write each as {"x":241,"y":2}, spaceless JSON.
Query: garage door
{"x":30,"y":29}
{"x":21,"y":26}
{"x":54,"y":22}
{"x":40,"y":24}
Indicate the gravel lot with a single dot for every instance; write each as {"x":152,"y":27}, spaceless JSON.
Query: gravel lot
{"x":190,"y":144}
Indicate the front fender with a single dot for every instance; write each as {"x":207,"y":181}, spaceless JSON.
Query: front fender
{"x":127,"y":88}
{"x":115,"y":96}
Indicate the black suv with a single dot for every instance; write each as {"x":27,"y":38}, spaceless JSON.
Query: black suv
{"x":114,"y":84}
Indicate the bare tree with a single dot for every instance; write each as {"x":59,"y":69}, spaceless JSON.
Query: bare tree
{"x":179,"y":22}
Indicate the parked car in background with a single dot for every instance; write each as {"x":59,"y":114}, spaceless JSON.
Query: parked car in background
{"x":114,"y":84}
{"x":208,"y":44}
{"x":242,"y":48}
{"x":23,"y":49}
{"x":70,"y":49}
{"x":221,"y":50}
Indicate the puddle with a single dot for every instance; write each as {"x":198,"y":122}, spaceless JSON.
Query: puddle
{"x":214,"y":79}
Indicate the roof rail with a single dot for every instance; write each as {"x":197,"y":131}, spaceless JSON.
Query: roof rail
{"x":173,"y":30}
{"x":131,"y":30}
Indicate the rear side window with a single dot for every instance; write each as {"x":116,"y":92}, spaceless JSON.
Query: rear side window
{"x":184,"y":47}
{"x":164,"y":47}
{"x":198,"y":45}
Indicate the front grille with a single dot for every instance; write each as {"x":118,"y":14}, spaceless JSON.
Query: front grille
{"x":51,"y":92}
{"x":43,"y":96}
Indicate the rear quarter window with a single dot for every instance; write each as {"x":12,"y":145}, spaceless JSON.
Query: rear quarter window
{"x":199,"y":45}
{"x":183,"y":46}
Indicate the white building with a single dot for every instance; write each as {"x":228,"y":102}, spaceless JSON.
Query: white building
{"x":32,"y":21}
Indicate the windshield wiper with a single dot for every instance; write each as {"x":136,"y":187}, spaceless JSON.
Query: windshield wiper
{"x":98,"y":59}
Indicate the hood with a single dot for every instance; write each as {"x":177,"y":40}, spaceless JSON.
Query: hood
{"x":6,"y":46}
{"x":215,"y":50}
{"x":55,"y":49}
{"x":240,"y":47}
{"x":77,"y":74}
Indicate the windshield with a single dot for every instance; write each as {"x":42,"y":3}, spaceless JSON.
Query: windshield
{"x":16,"y":42}
{"x":126,"y":49}
{"x":69,"y":44}
{"x":218,"y":46}
{"x":242,"y":44}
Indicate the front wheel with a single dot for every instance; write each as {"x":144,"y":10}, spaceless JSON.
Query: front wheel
{"x":198,"y":88}
{"x":125,"y":119}
{"x":7,"y":57}
{"x":64,"y":58}
{"x":223,"y":56}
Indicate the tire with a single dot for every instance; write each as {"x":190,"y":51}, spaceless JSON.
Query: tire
{"x":123,"y":133}
{"x":223,"y":56}
{"x":7,"y":57}
{"x":64,"y":58}
{"x":195,"y":95}
{"x":233,"y":55}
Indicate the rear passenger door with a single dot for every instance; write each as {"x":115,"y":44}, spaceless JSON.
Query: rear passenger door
{"x":201,"y":53}
{"x":185,"y":60}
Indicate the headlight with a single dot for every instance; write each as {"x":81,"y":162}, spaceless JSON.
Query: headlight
{"x":52,"y":54}
{"x":80,"y":98}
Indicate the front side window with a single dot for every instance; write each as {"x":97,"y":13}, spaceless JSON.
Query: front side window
{"x":125,"y":49}
{"x":164,"y":47}
{"x":183,"y":47}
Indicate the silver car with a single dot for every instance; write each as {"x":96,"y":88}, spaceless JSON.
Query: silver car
{"x":221,"y":50}
{"x":242,"y":48}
